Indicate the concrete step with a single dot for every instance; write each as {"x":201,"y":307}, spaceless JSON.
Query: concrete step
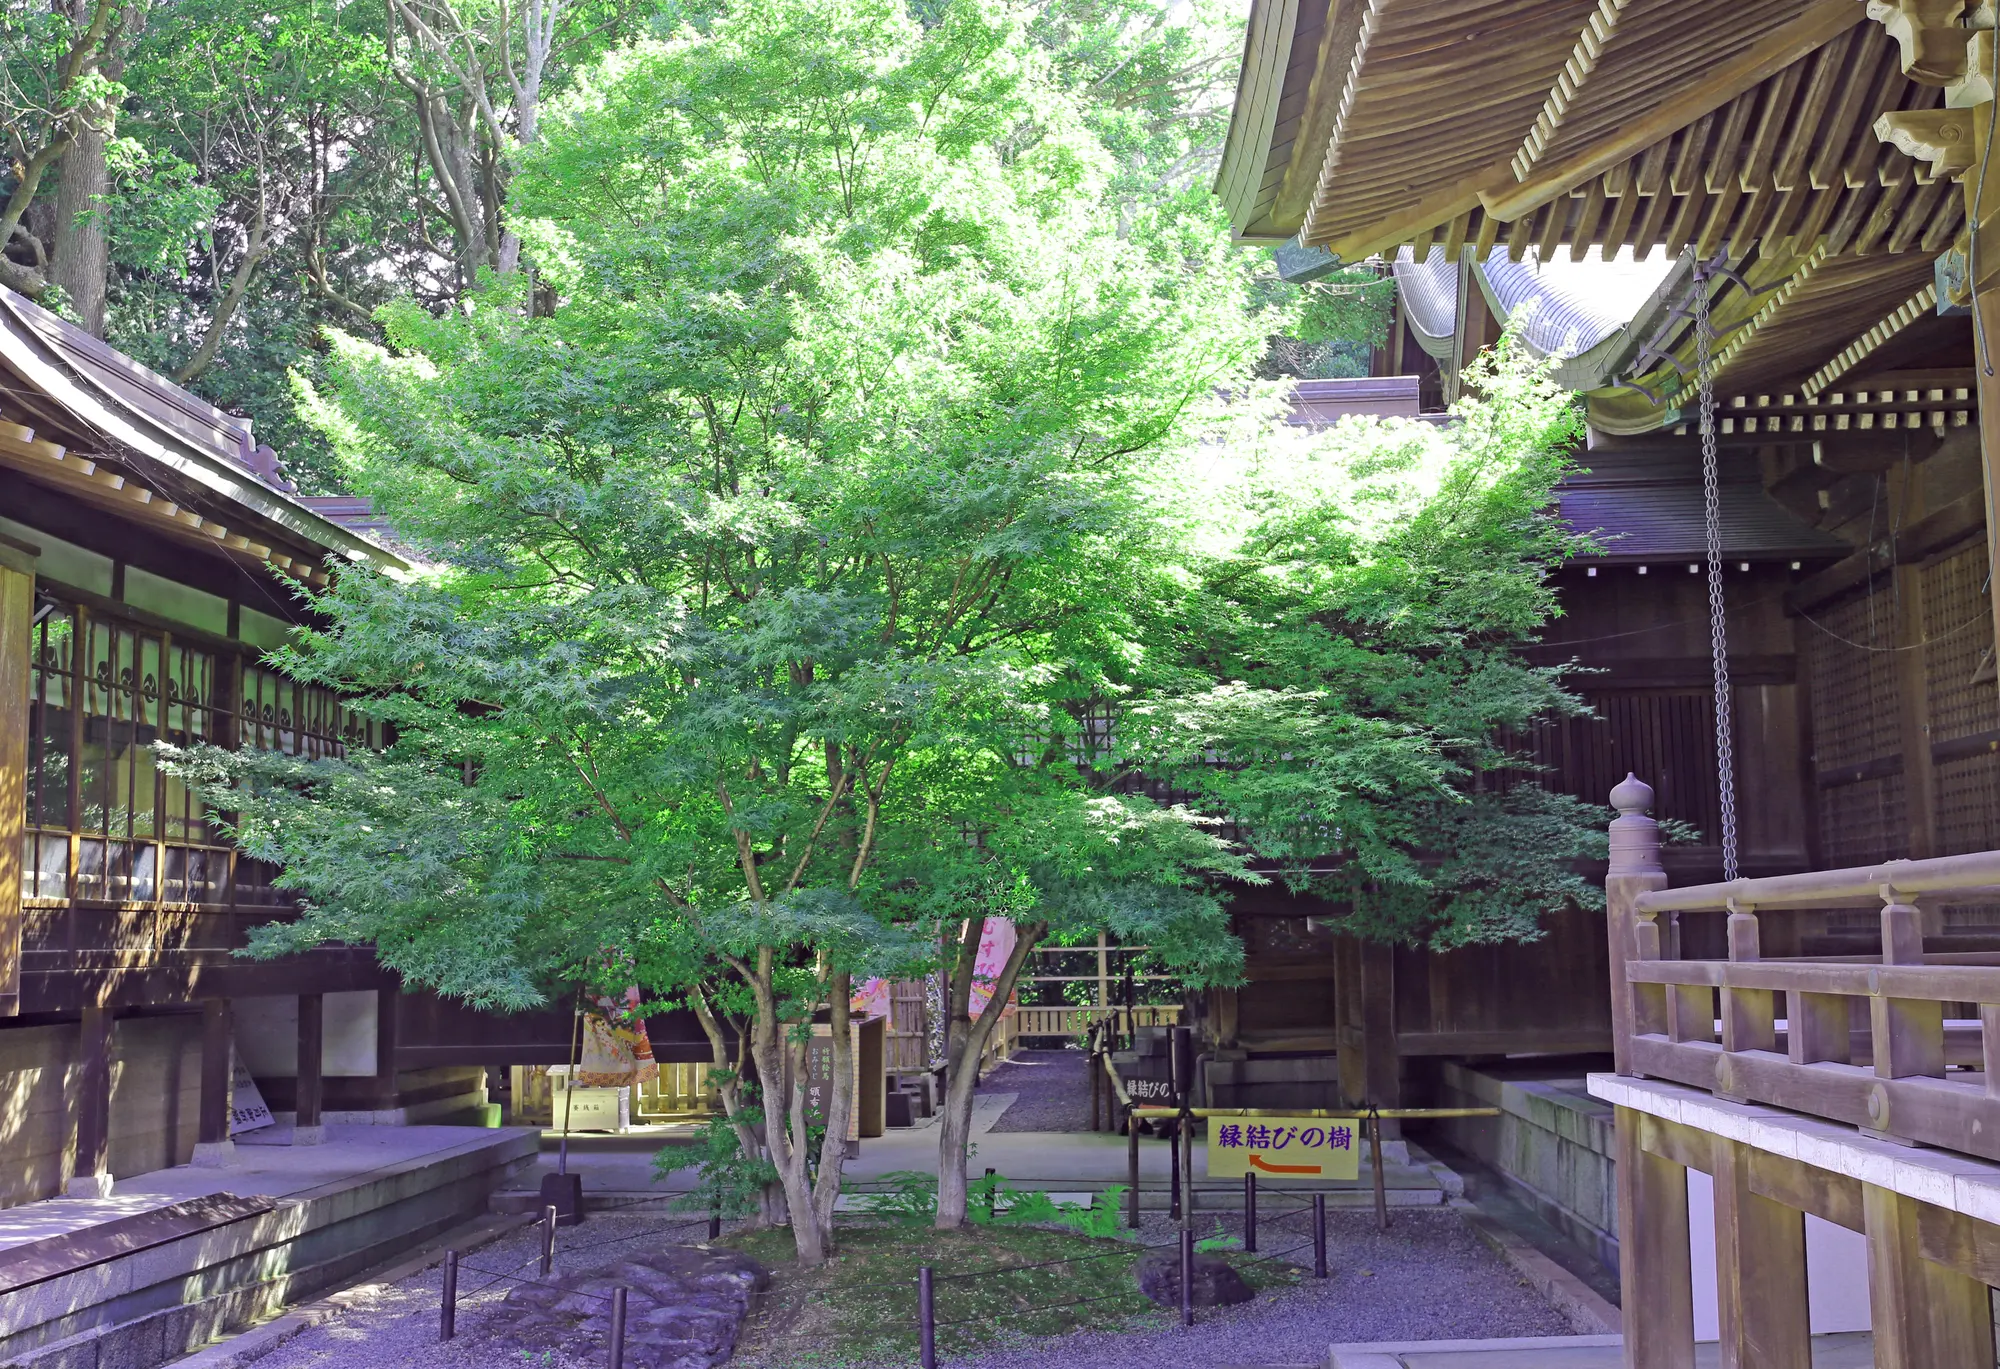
{"x":1847,"y":1350}
{"x":93,"y":1284}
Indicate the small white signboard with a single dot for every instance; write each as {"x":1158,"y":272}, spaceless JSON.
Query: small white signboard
{"x":246,"y":1105}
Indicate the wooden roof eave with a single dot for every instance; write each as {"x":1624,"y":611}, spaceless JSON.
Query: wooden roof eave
{"x":1771,"y":54}
{"x":103,"y":413}
{"x":1599,"y":366}
{"x":1246,"y":150}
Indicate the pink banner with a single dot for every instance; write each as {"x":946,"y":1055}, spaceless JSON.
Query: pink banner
{"x":996,"y":943}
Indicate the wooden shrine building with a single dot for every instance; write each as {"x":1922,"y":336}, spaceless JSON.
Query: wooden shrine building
{"x":1809,"y":1049}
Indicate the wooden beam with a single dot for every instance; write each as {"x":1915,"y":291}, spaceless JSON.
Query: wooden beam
{"x":1689,"y":1147}
{"x":1771,"y":54}
{"x":1828,"y":1196}
{"x":1655,"y":1271}
{"x":1959,"y":1242}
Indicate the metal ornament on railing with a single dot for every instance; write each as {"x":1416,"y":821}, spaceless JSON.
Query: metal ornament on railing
{"x":1718,"y":629}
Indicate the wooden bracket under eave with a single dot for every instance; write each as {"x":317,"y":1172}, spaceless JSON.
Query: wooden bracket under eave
{"x":1943,"y":138}
{"x":1930,"y":35}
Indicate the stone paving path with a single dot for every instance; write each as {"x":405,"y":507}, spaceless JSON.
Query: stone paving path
{"x":1051,"y":1091}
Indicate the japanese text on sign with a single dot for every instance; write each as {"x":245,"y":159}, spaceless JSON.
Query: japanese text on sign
{"x":1283,"y":1148}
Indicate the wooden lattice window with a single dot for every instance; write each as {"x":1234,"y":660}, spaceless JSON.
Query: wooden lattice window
{"x":1857,"y":741}
{"x":1853,"y":680}
{"x":280,"y":714}
{"x":1958,"y":630}
{"x":104,"y":822}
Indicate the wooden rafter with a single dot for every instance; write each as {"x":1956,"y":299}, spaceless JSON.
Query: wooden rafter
{"x":49,"y":461}
{"x":1766,"y":315}
{"x":1915,"y":307}
{"x":1646,"y":92}
{"x":1590,"y":46}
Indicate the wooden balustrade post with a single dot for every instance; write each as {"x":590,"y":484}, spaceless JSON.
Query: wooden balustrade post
{"x":1634,"y":870}
{"x":1819,"y":1026}
{"x":1749,"y":1021}
{"x":1908,"y":1032}
{"x":1989,"y":1045}
{"x":1655,"y":1265}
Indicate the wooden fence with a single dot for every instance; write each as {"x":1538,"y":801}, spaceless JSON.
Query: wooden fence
{"x":1068,"y":1020}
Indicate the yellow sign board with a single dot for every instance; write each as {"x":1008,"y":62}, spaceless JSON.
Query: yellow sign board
{"x":1284,"y":1147}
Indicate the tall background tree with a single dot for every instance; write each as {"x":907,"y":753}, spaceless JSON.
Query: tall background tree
{"x":773,"y":558}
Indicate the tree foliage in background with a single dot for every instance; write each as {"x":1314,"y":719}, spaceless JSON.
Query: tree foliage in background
{"x":1349,"y":688}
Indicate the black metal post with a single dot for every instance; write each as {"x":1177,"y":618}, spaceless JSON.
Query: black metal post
{"x":1132,"y":1166}
{"x":1319,"y":1235}
{"x":926,"y":1318}
{"x":1187,"y":1276}
{"x":715,"y":1221}
{"x":448,"y":1307}
{"x":992,"y":1193}
{"x":1250,"y":1213}
{"x":615,"y":1355}
{"x":1174,"y":1160}
{"x":1381,"y":1180}
{"x":548,"y":1240}
{"x":1096,"y":1070}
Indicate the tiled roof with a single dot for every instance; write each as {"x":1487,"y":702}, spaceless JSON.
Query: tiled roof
{"x":1649,"y":506}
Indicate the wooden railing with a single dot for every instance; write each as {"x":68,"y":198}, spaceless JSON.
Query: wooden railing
{"x":1905,"y":1044}
{"x":1005,"y":1038}
{"x":1066,"y":1020}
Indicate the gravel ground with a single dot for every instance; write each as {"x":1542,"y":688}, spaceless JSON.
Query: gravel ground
{"x":1053,"y":1089}
{"x":1427,"y":1278}
{"x":398,"y":1329}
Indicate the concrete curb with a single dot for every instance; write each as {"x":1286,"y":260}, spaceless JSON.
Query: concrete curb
{"x":259,"y":1341}
{"x":1389,"y":1354}
{"x":1587,"y":1309}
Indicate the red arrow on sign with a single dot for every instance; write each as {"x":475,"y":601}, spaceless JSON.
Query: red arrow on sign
{"x":1257,"y":1162}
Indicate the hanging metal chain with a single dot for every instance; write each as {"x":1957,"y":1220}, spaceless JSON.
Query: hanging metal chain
{"x":1718,"y":630}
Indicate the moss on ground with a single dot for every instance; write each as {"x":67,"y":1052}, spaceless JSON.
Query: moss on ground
{"x":860,"y":1307}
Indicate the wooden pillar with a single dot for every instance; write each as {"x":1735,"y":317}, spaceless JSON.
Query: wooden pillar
{"x":1634,"y":870}
{"x":212,"y":1145}
{"x":1760,"y":1271}
{"x":91,"y":1175}
{"x":17,"y":619}
{"x":1351,"y":1061}
{"x":1382,"y":1080}
{"x":385,"y":1048}
{"x":1925,"y":1315}
{"x":308,"y":1130}
{"x":1655,"y":1272}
